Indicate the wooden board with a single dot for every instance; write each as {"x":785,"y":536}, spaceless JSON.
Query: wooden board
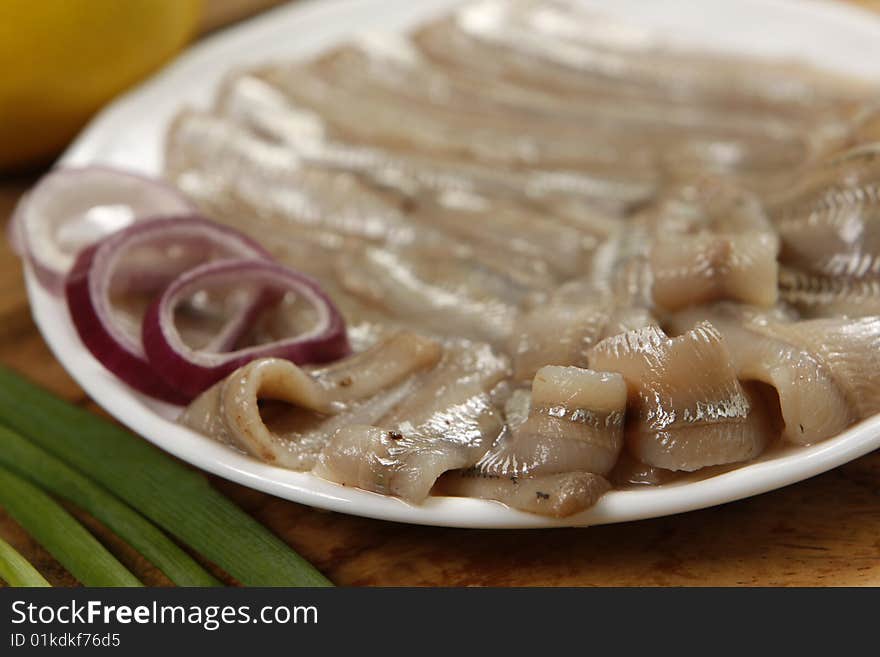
{"x":824,"y":531}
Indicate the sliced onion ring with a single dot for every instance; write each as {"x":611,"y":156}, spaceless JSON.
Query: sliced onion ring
{"x":72,"y":208}
{"x":108,"y":263}
{"x":192,"y":371}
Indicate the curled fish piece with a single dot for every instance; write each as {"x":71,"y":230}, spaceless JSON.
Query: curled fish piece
{"x":447,"y":423}
{"x":574,"y":424}
{"x":558,"y":496}
{"x":694,"y":269}
{"x":562,"y":333}
{"x":284,"y":414}
{"x":848,"y":348}
{"x":812,"y":403}
{"x":827,"y":221}
{"x":828,"y":226}
{"x":710,"y":240}
{"x":687,"y":409}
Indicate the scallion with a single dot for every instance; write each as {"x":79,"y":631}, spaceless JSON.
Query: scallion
{"x":60,"y":533}
{"x":176,"y":498}
{"x":34,"y":463}
{"x":15,"y":570}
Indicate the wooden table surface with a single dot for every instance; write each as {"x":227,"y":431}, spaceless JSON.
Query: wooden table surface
{"x":824,"y":531}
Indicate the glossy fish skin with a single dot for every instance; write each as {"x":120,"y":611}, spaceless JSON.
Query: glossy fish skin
{"x":816,"y":295}
{"x":306,"y":407}
{"x":687,"y":409}
{"x":471,"y":203}
{"x":562,"y":332}
{"x":575,"y":424}
{"x":829,"y":225}
{"x":710,"y":240}
{"x":210,"y":156}
{"x":447,"y":423}
{"x":436,"y":292}
{"x":450,"y":127}
{"x":812,"y":403}
{"x":849,"y":349}
{"x":694,"y":269}
{"x":569,"y":41}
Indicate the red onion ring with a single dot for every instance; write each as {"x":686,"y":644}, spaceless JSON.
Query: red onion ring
{"x":72,"y":208}
{"x":88,"y":290}
{"x":192,"y":371}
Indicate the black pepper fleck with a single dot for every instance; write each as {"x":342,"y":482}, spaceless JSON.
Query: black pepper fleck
{"x":542,"y":496}
{"x":395,"y":435}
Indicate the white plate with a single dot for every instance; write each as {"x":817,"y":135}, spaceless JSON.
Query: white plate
{"x":129,"y":133}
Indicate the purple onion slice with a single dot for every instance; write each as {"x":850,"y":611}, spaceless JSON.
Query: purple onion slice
{"x":113,"y":282}
{"x":72,"y":208}
{"x":194,"y":370}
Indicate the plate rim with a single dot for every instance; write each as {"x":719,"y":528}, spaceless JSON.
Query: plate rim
{"x":140,"y":414}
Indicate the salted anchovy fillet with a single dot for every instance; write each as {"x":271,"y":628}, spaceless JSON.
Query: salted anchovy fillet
{"x":529,"y":235}
{"x":696,"y":269}
{"x":285,"y":414}
{"x":688,"y":410}
{"x":848,"y":348}
{"x":574,"y":424}
{"x":263,"y":108}
{"x":584,"y":50}
{"x":577,"y":198}
{"x":813,"y":404}
{"x":816,"y":295}
{"x":211,"y":158}
{"x":828,"y":225}
{"x":698,"y":242}
{"x":563,"y":333}
{"x":304,"y":218}
{"x":440,"y":293}
{"x":447,"y":423}
{"x":353,"y":98}
{"x":558,"y":495}
{"x":758,"y":129}
{"x":276,"y":183}
{"x":393,"y":62}
{"x":828,"y":222}
{"x":533,"y":80}
{"x":710,"y":240}
{"x":206,"y":150}
{"x":661,"y":122}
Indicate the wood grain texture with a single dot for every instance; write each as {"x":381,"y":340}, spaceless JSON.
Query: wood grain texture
{"x":824,"y":531}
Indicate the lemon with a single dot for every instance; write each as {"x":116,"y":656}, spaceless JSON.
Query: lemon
{"x":60,"y":60}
